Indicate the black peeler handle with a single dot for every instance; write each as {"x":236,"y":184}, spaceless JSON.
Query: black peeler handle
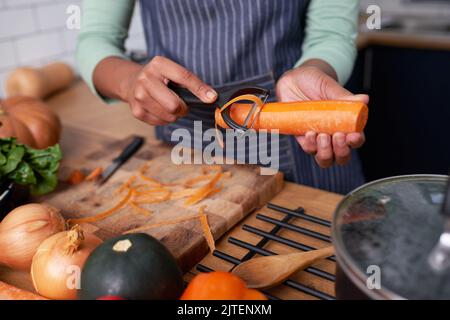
{"x":188,"y":97}
{"x":130,"y":150}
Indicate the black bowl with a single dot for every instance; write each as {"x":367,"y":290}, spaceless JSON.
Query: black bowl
{"x":11,"y":196}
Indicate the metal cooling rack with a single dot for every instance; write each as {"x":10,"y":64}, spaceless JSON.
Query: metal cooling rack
{"x":272,"y":235}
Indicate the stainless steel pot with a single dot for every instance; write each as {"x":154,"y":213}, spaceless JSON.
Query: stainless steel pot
{"x":383,"y":233}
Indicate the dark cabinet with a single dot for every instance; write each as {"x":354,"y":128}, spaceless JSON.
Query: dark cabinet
{"x":409,"y":122}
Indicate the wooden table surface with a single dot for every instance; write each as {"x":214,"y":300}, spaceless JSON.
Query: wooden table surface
{"x":78,"y":108}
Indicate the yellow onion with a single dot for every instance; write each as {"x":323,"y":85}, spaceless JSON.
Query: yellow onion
{"x":24,"y":229}
{"x":57,"y":264}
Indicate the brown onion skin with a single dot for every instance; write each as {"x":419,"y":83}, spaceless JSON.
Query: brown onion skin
{"x":24,"y":229}
{"x":50,"y":265}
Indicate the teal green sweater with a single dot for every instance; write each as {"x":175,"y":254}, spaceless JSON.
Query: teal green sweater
{"x":331,"y":30}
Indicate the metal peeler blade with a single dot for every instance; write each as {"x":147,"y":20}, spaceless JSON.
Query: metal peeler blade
{"x":225,"y":96}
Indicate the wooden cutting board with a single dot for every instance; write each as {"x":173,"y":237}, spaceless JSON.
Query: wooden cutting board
{"x":241,"y":193}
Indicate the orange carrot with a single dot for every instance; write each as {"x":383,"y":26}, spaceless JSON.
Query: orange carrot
{"x":76,"y":177}
{"x":297,"y":118}
{"x":97,"y":172}
{"x":9,"y":292}
{"x":206,"y":229}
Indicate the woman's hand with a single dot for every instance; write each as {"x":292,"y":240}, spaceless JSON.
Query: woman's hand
{"x":311,"y":82}
{"x":153,"y":102}
{"x":145,"y":87}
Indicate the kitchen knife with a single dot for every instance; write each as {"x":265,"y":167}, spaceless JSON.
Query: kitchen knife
{"x":126,"y":154}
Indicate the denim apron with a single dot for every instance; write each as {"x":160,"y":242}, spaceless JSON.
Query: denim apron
{"x":231,"y":43}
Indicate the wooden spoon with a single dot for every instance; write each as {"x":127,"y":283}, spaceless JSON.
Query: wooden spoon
{"x":267,"y":272}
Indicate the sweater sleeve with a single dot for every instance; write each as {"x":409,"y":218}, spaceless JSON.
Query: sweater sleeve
{"x":104,"y":29}
{"x":331,"y":31}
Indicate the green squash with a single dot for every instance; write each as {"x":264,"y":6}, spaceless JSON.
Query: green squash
{"x":133,"y":266}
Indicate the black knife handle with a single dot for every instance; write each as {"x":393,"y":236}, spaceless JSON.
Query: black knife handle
{"x":130,"y":150}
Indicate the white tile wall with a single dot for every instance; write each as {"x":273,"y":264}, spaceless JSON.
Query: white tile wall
{"x":33,"y":32}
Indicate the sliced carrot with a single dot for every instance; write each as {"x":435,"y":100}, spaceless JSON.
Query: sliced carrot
{"x":139,"y":209}
{"x":153,"y":197}
{"x":151,"y":191}
{"x":161,"y":224}
{"x":76,"y":177}
{"x":203,"y":191}
{"x":297,"y":118}
{"x":183,"y":193}
{"x":206,"y":229}
{"x":193,"y":181}
{"x":97,"y":172}
{"x":104,"y":214}
{"x":214,"y":191}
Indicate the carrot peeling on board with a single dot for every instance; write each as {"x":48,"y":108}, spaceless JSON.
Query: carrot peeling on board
{"x":245,"y":97}
{"x":95,"y":174}
{"x":206,"y":229}
{"x":297,"y":118}
{"x":104,"y":214}
{"x":193,"y":181}
{"x":203,"y":191}
{"x":126,"y":185}
{"x":76,"y":177}
{"x":183,"y":193}
{"x":150,"y":197}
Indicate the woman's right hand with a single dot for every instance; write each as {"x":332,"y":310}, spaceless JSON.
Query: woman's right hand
{"x":152,"y":101}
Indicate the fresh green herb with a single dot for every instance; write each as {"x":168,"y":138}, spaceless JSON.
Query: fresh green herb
{"x":26,"y":166}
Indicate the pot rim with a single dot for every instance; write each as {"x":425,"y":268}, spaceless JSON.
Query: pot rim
{"x":344,"y":259}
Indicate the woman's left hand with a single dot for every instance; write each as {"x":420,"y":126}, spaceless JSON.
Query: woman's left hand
{"x":312,"y":83}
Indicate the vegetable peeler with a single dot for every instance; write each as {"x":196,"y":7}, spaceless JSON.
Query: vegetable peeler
{"x":226,"y":95}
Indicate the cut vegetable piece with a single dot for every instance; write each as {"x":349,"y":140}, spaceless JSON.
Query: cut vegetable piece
{"x":244,"y":97}
{"x":148,"y":198}
{"x":203,"y":191}
{"x":76,"y":177}
{"x":297,"y":118}
{"x":151,"y":191}
{"x":193,"y":181}
{"x":95,"y":174}
{"x":105,"y":214}
{"x":206,"y":229}
{"x":183,"y":193}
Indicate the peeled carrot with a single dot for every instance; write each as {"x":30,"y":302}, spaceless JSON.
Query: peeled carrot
{"x":9,"y":292}
{"x":297,"y":118}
